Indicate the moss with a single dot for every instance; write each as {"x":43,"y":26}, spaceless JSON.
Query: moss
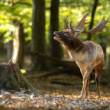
{"x":11,"y":78}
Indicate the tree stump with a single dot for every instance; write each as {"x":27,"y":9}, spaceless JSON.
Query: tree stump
{"x":11,"y":78}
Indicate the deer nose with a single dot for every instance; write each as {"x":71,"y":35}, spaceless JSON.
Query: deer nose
{"x":56,"y":32}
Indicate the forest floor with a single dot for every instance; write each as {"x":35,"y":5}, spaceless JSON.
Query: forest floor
{"x":53,"y":93}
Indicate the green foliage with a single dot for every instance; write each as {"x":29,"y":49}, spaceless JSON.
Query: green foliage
{"x":21,"y":10}
{"x":15,"y":10}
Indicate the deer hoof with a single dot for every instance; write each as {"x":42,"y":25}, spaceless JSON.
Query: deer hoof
{"x":82,"y":97}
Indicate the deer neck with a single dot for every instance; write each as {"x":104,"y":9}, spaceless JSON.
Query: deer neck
{"x":74,"y":45}
{"x":76,"y":49}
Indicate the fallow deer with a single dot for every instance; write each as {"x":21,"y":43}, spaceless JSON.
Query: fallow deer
{"x":88,"y":55}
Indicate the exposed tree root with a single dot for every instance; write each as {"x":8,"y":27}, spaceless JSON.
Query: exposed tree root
{"x":11,"y":78}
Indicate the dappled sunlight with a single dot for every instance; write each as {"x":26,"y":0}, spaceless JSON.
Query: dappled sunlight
{"x":16,"y":46}
{"x":23,"y":71}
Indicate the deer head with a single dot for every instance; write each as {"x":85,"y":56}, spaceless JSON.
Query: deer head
{"x":71,"y":33}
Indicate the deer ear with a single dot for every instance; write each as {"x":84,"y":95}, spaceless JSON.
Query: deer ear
{"x":77,"y":34}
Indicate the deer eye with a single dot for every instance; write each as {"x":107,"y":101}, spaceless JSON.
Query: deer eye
{"x":66,"y":34}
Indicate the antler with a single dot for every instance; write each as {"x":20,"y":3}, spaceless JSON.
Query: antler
{"x":82,"y":22}
{"x":70,"y":26}
{"x":99,"y":26}
{"x":80,"y":25}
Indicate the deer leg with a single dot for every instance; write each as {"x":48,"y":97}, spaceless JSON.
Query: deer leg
{"x":87,"y":87}
{"x":84,"y":92}
{"x":97,"y":78}
{"x":97,"y":85}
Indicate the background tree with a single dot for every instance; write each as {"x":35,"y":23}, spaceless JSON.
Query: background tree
{"x":92,"y":17}
{"x":12,"y":29}
{"x":38,"y":32}
{"x":56,"y":49}
{"x":7,"y":27}
{"x":18,"y":44}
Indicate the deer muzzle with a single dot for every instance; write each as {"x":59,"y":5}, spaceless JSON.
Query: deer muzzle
{"x":57,"y":35}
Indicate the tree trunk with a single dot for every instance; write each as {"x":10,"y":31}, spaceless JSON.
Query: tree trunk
{"x":56,"y":50}
{"x":9,"y":47}
{"x":108,"y":58}
{"x":18,"y":44}
{"x":21,"y":45}
{"x":1,"y":41}
{"x":11,"y":78}
{"x":38,"y":33}
{"x":92,"y":18}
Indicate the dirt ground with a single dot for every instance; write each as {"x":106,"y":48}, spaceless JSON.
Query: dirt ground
{"x":53,"y":93}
